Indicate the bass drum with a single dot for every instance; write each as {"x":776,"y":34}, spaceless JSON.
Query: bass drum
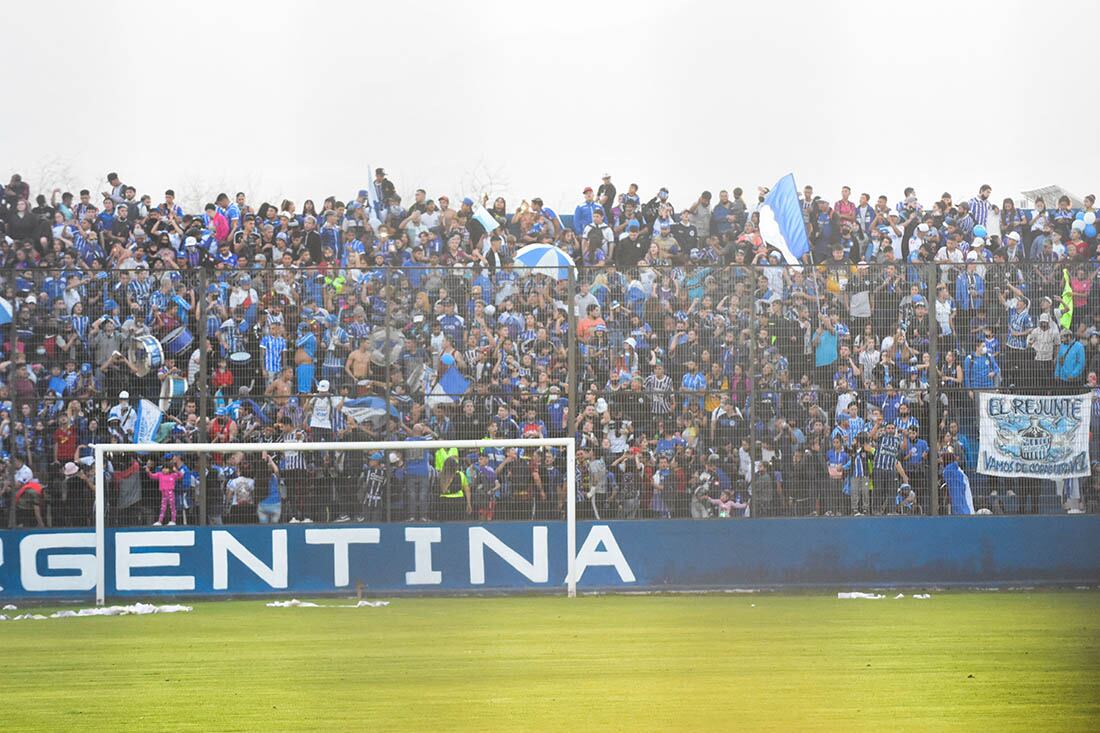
{"x":146,"y":354}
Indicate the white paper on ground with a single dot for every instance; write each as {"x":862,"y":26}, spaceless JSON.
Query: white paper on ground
{"x":922,"y":596}
{"x":899,"y":595}
{"x":10,"y":607}
{"x":295,"y":603}
{"x":868,"y":596}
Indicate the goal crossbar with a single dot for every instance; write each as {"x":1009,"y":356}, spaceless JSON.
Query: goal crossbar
{"x":102,"y":450}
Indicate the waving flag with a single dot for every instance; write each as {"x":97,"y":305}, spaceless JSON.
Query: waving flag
{"x":362,"y":409}
{"x":147,"y":422}
{"x":781,"y":223}
{"x":6,"y":311}
{"x":485,"y":218}
{"x":450,"y":388}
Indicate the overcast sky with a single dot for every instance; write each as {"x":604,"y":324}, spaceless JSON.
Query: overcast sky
{"x":298,"y":99}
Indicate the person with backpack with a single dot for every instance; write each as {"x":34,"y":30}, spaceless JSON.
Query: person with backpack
{"x":980,"y":370}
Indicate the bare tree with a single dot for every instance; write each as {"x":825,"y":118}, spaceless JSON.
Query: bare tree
{"x":53,"y":173}
{"x":483,"y":180}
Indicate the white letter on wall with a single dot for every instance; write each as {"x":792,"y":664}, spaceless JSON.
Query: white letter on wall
{"x":125,"y":560}
{"x":537,"y":571}
{"x":85,"y":563}
{"x":591,"y":556}
{"x":423,"y":538}
{"x":223,"y":544}
{"x":340,"y":539}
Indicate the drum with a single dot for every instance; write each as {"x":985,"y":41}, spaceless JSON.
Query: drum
{"x":146,"y":354}
{"x":240,"y":358}
{"x":172,"y":388}
{"x":178,"y":341}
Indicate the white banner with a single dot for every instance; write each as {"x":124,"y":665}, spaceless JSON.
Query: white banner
{"x":147,"y":422}
{"x":1035,"y":436}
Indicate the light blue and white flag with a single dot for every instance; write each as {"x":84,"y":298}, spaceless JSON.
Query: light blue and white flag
{"x":6,"y":311}
{"x":449,"y":389}
{"x":147,"y":422}
{"x":781,"y":223}
{"x":482,"y":216}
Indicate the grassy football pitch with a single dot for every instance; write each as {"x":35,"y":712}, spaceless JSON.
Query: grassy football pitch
{"x":960,"y":660}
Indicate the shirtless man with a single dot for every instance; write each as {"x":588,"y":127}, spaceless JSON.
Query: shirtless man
{"x":358,"y":367}
{"x":281,"y":387}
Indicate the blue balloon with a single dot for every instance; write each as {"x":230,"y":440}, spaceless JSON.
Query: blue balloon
{"x":980,"y":231}
{"x":1090,"y":230}
{"x":1080,"y":216}
{"x":448,"y":360}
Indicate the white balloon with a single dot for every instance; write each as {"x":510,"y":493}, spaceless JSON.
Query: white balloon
{"x":1090,"y":217}
{"x":1078,"y":225}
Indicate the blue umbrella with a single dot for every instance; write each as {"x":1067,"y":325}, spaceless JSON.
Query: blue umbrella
{"x":545,"y":259}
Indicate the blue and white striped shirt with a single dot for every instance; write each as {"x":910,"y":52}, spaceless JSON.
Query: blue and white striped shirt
{"x":140,"y":290}
{"x":1018,"y":321}
{"x":979,"y":210}
{"x":273,"y":348}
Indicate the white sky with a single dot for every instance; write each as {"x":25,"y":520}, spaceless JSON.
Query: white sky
{"x":297,"y":99}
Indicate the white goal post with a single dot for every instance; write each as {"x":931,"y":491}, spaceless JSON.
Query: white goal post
{"x":102,"y":450}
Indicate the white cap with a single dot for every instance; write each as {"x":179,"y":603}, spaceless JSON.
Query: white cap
{"x":1044,"y":318}
{"x":978,"y":242}
{"x":124,"y":395}
{"x":630,"y":342}
{"x":601,"y":405}
{"x":923,"y":228}
{"x":323,"y":385}
{"x":1014,"y":236}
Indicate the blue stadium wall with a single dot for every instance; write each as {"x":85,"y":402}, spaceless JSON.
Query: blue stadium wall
{"x":516,"y":557}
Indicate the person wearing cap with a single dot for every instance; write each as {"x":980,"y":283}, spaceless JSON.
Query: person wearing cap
{"x":583,"y":214}
{"x":969,"y":296}
{"x":383,"y":188}
{"x":1039,"y":372}
{"x":124,"y":413}
{"x":1013,"y":249}
{"x":1069,"y":364}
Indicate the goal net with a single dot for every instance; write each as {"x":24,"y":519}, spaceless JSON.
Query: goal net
{"x":356,"y":484}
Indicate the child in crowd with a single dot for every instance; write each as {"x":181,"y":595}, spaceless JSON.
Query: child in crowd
{"x":166,"y":478}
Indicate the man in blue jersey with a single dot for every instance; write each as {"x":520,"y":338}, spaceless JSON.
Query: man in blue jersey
{"x":418,"y":476}
{"x":582,"y":215}
{"x":958,"y":485}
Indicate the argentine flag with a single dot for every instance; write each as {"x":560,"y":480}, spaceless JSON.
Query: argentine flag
{"x":781,"y":223}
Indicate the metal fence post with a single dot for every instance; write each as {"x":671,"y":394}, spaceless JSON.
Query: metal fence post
{"x":933,"y":394}
{"x":754,"y":393}
{"x":203,"y":385}
{"x":571,"y":364}
{"x":389,"y":385}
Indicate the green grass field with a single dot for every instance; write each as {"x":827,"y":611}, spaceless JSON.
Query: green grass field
{"x":961,"y":660}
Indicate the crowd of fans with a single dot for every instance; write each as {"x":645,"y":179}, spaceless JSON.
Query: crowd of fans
{"x":711,"y":379}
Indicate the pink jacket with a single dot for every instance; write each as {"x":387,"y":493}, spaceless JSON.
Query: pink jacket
{"x":165,"y":481}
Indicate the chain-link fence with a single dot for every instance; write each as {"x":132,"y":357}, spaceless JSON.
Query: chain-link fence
{"x":705,"y":389}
